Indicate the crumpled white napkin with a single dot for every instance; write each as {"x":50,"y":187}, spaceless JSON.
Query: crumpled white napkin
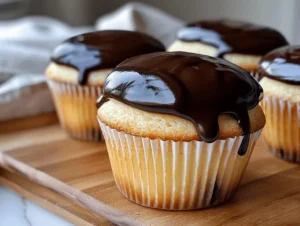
{"x":24,"y":94}
{"x":143,"y":18}
{"x":26,"y":45}
{"x":25,"y":48}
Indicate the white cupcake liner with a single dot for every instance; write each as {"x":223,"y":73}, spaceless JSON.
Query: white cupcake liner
{"x":76,"y":108}
{"x":255,"y":74}
{"x":176,"y":175}
{"x":282,"y":130}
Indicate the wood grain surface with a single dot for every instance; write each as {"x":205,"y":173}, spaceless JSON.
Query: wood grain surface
{"x":75,"y":180}
{"x":28,"y":122}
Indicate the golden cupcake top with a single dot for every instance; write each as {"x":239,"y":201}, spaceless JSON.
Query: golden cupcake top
{"x":230,"y":36}
{"x":102,"y":50}
{"x":191,"y":86}
{"x":282,"y":64}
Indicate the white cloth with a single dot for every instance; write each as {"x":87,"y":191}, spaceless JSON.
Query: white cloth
{"x":25,"y":48}
{"x":26,"y":45}
{"x":24,"y":95}
{"x":143,"y":18}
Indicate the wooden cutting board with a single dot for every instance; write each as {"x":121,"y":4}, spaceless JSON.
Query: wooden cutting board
{"x":74,"y":179}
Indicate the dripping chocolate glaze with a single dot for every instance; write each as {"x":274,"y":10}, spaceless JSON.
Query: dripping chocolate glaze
{"x":282,"y":64}
{"x":230,"y":36}
{"x":195,"y":87}
{"x":103,"y":49}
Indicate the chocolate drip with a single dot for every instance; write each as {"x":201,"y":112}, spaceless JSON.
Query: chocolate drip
{"x":282,"y":64}
{"x":195,"y":87}
{"x":103,"y":49}
{"x":233,"y":37}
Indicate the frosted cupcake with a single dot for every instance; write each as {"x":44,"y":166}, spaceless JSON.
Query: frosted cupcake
{"x":240,"y":43}
{"x":179,"y":128}
{"x":77,"y":72}
{"x":280,"y":78}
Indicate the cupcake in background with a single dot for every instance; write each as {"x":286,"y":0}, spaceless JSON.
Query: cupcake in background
{"x":280,"y":78}
{"x":179,"y":128}
{"x":78,"y":69}
{"x":240,"y":43}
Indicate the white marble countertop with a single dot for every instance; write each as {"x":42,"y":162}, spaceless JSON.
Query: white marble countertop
{"x":18,"y":211}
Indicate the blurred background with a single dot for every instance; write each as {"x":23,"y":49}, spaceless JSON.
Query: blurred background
{"x":280,"y":14}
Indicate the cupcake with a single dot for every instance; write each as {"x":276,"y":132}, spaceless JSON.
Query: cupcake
{"x":240,"y":43}
{"x":77,"y":72}
{"x":280,"y":77}
{"x":179,"y":128}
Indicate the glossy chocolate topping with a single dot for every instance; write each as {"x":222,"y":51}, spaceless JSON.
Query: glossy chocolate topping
{"x":233,"y":36}
{"x":103,"y":49}
{"x":195,"y":87}
{"x":282,"y":64}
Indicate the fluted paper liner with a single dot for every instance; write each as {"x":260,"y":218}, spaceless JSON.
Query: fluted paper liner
{"x":76,"y":108}
{"x":175,"y":175}
{"x":282,"y":130}
{"x":255,"y":74}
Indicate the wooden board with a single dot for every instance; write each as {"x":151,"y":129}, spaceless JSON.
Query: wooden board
{"x":76,"y":178}
{"x":28,"y":122}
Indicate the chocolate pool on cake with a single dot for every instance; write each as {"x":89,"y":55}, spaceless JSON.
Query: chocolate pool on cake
{"x":78,"y":69}
{"x":179,"y":128}
{"x":241,"y":43}
{"x":280,"y":77}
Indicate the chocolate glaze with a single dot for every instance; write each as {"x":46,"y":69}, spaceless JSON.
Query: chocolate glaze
{"x":195,"y":87}
{"x":233,"y":36}
{"x":103,"y":49}
{"x":282,"y":64}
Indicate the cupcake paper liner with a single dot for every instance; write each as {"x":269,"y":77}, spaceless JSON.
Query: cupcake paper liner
{"x":282,"y":130}
{"x":255,"y":74}
{"x":175,"y":175}
{"x":76,"y":108}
